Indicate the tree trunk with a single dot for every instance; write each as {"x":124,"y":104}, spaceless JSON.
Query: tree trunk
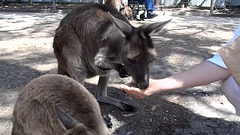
{"x":212,"y":6}
{"x":54,"y":6}
{"x":157,"y":2}
{"x":3,"y":2}
{"x":30,"y":2}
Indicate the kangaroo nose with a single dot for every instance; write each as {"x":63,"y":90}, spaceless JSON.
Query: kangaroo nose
{"x":143,"y":85}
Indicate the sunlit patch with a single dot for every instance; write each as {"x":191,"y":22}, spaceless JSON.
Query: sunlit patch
{"x":117,"y":124}
{"x":45,"y":67}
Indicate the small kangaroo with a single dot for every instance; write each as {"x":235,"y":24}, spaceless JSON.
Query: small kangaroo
{"x":117,"y":4}
{"x":56,"y":105}
{"x":125,"y":10}
{"x":95,"y":38}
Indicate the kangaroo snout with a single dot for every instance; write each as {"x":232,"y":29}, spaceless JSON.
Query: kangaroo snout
{"x":143,"y":84}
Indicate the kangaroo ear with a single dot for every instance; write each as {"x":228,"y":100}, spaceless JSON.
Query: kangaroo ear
{"x":123,"y":27}
{"x":67,"y":121}
{"x":154,"y":28}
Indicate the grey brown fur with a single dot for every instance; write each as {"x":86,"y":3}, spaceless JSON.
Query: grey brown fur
{"x":56,"y":105}
{"x":95,"y":38}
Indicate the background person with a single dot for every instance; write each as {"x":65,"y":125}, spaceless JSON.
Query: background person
{"x":150,"y":7}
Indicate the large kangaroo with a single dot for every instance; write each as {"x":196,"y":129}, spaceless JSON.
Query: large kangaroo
{"x":57,"y":105}
{"x":95,"y":38}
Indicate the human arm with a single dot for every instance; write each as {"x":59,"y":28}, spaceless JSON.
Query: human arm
{"x":201,"y":74}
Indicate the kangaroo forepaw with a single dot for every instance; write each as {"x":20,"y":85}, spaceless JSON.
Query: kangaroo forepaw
{"x":123,"y":73}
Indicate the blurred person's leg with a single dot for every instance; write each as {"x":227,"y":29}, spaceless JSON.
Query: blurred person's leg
{"x":150,"y":7}
{"x":231,"y":90}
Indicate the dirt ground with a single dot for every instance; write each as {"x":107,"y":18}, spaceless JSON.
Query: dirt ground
{"x":26,"y":53}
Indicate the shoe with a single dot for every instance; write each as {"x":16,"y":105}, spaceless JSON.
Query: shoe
{"x":151,"y":15}
{"x":142,"y":16}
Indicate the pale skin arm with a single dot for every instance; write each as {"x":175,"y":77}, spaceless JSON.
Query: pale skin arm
{"x":198,"y":75}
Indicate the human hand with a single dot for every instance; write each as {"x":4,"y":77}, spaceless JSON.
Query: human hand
{"x":136,"y":92}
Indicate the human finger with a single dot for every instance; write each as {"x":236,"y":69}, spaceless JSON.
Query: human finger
{"x":127,"y":88}
{"x":136,"y":92}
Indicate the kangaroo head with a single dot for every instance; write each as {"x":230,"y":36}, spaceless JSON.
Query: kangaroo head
{"x":137,"y":51}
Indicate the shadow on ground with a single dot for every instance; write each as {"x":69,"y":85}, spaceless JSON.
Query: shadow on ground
{"x":156,"y":115}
